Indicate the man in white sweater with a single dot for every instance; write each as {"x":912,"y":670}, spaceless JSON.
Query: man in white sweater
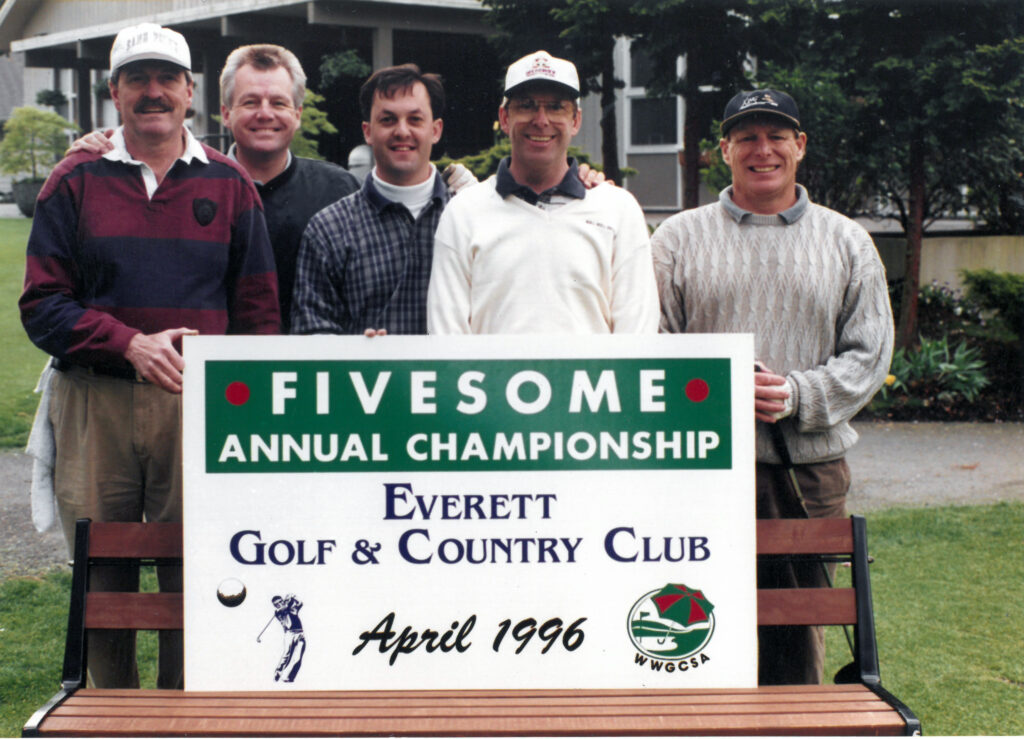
{"x":808,"y":283}
{"x":531,"y":250}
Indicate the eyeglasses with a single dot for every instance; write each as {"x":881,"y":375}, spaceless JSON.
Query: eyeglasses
{"x":554,"y":109}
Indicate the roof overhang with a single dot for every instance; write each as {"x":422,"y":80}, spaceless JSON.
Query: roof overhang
{"x":245,"y":18}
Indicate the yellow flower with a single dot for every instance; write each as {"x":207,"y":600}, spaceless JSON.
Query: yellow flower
{"x":890,"y":379}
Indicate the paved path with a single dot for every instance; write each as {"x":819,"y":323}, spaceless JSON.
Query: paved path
{"x":10,"y":210}
{"x":895,"y":464}
{"x":922,"y":464}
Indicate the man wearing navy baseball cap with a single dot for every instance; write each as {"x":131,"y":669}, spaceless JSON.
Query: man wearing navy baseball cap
{"x":764,"y":103}
{"x":531,"y":250}
{"x":808,"y":283}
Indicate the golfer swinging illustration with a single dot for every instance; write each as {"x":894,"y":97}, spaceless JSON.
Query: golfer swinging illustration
{"x":286,"y":610}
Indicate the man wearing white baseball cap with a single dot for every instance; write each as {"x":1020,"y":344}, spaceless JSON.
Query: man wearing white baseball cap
{"x":129,"y":251}
{"x":531,"y":250}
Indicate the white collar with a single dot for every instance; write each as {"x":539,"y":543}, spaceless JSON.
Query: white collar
{"x":193,"y":150}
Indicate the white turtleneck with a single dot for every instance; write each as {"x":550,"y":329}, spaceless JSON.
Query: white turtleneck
{"x":413,"y":197}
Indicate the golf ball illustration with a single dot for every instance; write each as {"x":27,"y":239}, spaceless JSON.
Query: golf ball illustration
{"x":231,"y":592}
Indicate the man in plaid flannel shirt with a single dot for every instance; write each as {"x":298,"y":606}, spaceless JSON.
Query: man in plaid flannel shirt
{"x":364,"y":262}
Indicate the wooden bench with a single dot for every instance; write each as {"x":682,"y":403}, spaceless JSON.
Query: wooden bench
{"x":861,"y":707}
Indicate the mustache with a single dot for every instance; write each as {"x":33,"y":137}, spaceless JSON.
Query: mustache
{"x":158,"y":105}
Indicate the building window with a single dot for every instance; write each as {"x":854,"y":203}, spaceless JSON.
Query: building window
{"x":652,"y":121}
{"x":652,"y":132}
{"x":640,"y":67}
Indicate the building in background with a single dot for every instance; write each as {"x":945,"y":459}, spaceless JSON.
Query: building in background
{"x":64,"y":45}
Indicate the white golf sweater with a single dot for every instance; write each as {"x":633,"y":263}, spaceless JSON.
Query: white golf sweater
{"x":504,"y":266}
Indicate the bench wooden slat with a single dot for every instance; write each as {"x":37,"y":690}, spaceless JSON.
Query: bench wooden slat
{"x":817,"y":607}
{"x":135,"y":540}
{"x":727,"y":699}
{"x":781,"y":536}
{"x":386,"y":699}
{"x":105,"y":610}
{"x":271,"y":709}
{"x":805,"y":725}
{"x":783,"y":711}
{"x":774,"y":607}
{"x":875,"y":724}
{"x":804,"y":536}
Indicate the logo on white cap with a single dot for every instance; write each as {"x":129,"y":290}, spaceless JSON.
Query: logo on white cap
{"x":540,"y":65}
{"x":149,"y":42}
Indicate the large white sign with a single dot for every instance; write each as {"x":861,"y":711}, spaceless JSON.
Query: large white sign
{"x":469,"y":512}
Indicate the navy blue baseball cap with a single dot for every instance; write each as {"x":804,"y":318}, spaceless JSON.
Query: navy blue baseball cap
{"x":760,"y":102}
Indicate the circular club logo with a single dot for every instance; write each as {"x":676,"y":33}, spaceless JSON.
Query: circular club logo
{"x":671,"y":623}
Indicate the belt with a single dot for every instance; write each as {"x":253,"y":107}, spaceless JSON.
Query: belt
{"x":121,"y":373}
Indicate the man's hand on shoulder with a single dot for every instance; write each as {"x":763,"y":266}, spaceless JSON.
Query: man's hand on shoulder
{"x":457,"y":177}
{"x":154,"y":357}
{"x":97,"y":142}
{"x":591,"y":177}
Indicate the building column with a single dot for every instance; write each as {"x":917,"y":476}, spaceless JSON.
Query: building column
{"x":83,"y":82}
{"x":383,"y":47}
{"x":211,"y":61}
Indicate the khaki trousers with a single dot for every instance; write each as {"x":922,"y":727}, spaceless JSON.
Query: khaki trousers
{"x":118,"y":447}
{"x":795,"y":655}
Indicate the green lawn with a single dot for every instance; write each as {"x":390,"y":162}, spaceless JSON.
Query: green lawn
{"x":949,"y":601}
{"x":22,"y":362}
{"x":948,"y":586}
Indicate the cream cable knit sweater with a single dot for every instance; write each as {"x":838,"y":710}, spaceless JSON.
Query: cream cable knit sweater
{"x":813,"y":293}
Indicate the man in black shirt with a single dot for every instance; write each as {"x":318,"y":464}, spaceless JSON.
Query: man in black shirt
{"x":261,"y":91}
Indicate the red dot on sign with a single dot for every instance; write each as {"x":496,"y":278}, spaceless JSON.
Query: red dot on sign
{"x":697,"y":391}
{"x":237,"y":393}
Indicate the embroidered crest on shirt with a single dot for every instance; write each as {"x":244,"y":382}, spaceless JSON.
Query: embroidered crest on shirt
{"x":204,"y":210}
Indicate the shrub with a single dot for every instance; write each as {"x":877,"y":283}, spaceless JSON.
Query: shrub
{"x":484,"y":163}
{"x":944,"y":310}
{"x":1002,"y":293}
{"x":312,"y":124}
{"x":52,"y":98}
{"x":933,"y":373}
{"x":101,"y":89}
{"x":982,"y":378}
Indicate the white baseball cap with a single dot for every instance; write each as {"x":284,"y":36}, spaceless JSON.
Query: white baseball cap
{"x":540,"y":66}
{"x":148,"y":41}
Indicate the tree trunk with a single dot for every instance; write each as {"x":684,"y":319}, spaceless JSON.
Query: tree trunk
{"x":906,"y":334}
{"x":692,"y":134}
{"x":609,"y":121}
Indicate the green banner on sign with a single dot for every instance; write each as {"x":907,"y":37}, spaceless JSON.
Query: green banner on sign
{"x":467,"y":415}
